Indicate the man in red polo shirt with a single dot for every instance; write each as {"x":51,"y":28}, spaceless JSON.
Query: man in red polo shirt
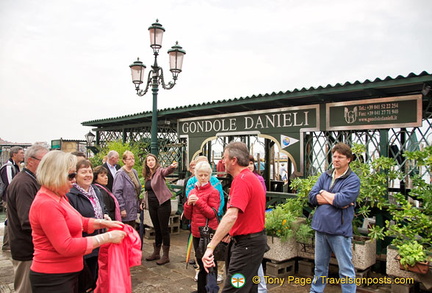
{"x":243,"y":220}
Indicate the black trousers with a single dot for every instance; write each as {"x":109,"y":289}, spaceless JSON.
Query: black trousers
{"x":92,"y":263}
{"x":202,"y":275}
{"x":54,"y":283}
{"x":244,"y":257}
{"x":160,"y":215}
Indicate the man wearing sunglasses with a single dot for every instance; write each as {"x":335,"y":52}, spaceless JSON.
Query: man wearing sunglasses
{"x":20,"y":195}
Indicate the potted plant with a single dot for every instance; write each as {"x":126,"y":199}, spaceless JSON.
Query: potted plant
{"x":286,"y":220}
{"x":412,"y":257}
{"x":375,"y":178}
{"x":280,"y":226}
{"x":411,"y":221}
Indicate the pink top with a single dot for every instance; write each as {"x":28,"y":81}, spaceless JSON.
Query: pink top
{"x":57,"y":234}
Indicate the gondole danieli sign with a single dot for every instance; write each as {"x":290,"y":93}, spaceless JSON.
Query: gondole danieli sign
{"x":285,"y":126}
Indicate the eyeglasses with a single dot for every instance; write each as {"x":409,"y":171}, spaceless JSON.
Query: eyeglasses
{"x":71,"y":176}
{"x":35,"y":158}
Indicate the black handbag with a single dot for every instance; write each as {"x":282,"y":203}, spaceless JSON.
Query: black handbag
{"x":206,"y":235}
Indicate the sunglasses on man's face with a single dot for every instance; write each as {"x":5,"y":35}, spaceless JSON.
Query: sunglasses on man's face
{"x":71,"y":176}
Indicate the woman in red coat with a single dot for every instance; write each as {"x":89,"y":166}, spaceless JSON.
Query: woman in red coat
{"x":202,"y":205}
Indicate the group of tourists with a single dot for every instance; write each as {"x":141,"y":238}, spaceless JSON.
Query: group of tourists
{"x":64,"y":217}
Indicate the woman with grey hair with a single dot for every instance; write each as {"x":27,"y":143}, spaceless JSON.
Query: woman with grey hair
{"x":57,"y":228}
{"x":201,"y":208}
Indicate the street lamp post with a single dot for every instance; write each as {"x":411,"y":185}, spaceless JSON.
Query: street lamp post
{"x":89,"y":139}
{"x":155,"y":76}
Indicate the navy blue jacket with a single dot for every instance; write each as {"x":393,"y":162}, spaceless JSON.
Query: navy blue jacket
{"x":335,"y":219}
{"x":83,"y":205}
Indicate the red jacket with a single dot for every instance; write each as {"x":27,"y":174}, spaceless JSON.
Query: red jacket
{"x":202,"y":210}
{"x":115,"y":261}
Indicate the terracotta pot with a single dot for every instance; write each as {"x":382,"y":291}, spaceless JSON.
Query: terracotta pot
{"x":419,"y":268}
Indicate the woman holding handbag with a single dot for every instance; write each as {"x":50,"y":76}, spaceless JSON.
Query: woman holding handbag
{"x":201,"y":208}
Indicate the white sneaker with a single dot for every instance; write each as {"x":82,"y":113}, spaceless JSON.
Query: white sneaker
{"x":219,"y":279}
{"x":196,"y":276}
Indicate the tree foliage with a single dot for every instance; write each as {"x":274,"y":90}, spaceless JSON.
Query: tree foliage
{"x":139,"y":149}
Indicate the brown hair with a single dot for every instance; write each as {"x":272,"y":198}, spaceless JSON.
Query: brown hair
{"x":343,"y":149}
{"x":98,"y":170}
{"x":146,"y":170}
{"x":126,"y":154}
{"x":83,"y":164}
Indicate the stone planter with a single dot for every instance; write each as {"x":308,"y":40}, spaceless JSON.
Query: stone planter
{"x":392,"y":266}
{"x":147,"y":219}
{"x":364,"y":254}
{"x":279,"y":250}
{"x":306,"y":250}
{"x":174,"y":206}
{"x":174,"y":209}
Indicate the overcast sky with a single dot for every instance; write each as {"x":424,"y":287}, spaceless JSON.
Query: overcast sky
{"x":66,"y":62}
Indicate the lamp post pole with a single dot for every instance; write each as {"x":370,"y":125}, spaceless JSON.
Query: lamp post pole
{"x":156,"y":77}
{"x":154,"y":127}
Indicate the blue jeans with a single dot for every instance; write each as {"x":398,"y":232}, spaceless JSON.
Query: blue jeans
{"x":325,"y":244}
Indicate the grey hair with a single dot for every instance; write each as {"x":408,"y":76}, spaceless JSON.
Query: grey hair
{"x":14,"y":150}
{"x":32,"y":151}
{"x":201,"y":159}
{"x":203,"y":166}
{"x":112,"y":154}
{"x":240,"y":151}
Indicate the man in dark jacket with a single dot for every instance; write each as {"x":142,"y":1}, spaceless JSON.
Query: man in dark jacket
{"x":112,"y":166}
{"x":334,"y":195}
{"x":20,"y":195}
{"x":7,"y":172}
